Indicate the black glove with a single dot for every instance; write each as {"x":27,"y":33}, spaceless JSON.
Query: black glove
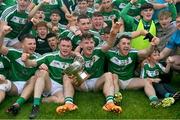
{"x":149,"y":36}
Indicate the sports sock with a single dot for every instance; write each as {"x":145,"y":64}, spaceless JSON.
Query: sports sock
{"x":20,"y":101}
{"x":167,"y":95}
{"x":109,"y":98}
{"x":69,"y":100}
{"x":153,"y":98}
{"x":37,"y":101}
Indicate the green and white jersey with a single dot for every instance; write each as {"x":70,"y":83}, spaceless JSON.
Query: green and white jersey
{"x":152,"y":72}
{"x":53,"y":5}
{"x":4,"y":66}
{"x":3,"y":6}
{"x":134,"y":10}
{"x":56,"y":64}
{"x":15,"y":19}
{"x":109,"y":15}
{"x":94,"y":65}
{"x":123,"y":66}
{"x":19,"y":72}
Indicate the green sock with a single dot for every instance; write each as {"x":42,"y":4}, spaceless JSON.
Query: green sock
{"x":153,"y":98}
{"x":68,"y":100}
{"x":109,"y":98}
{"x":37,"y":101}
{"x":20,"y":101}
{"x":167,"y":95}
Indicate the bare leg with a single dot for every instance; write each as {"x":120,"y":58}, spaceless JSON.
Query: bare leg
{"x":58,"y":97}
{"x":105,"y":82}
{"x":2,"y":95}
{"x":43,"y":83}
{"x":29,"y":87}
{"x":116,"y":83}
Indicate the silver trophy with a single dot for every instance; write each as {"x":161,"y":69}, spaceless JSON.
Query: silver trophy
{"x":76,"y":69}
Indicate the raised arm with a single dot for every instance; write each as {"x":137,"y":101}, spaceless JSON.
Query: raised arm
{"x":146,"y":52}
{"x":138,"y":33}
{"x":36,"y":8}
{"x":110,"y":42}
{"x":4,"y":29}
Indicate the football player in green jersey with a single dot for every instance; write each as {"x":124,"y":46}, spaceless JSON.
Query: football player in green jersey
{"x":20,"y":75}
{"x":122,"y":63}
{"x":96,"y":78}
{"x":16,"y":16}
{"x":50,"y":83}
{"x":151,"y":69}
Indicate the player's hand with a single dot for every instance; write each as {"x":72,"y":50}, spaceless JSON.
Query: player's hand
{"x":116,"y":26}
{"x":156,"y":80}
{"x":155,"y":41}
{"x":25,"y":57}
{"x":43,"y":67}
{"x":170,"y":60}
{"x":133,"y":1}
{"x":2,"y":79}
{"x":46,"y":1}
{"x":35,"y":20}
{"x":4,"y":28}
{"x":55,"y":29}
{"x":143,"y":32}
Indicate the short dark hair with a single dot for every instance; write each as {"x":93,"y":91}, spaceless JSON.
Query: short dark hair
{"x":55,"y":12}
{"x":23,"y":37}
{"x":97,"y":14}
{"x":121,"y":37}
{"x":65,"y":38}
{"x":82,"y":17}
{"x":86,"y":36}
{"x":49,"y":35}
{"x":105,"y":30}
{"x":146,"y":6}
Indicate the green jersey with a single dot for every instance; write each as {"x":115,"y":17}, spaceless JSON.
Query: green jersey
{"x":94,"y":65}
{"x":3,"y":6}
{"x":152,"y":72}
{"x":19,"y":71}
{"x":10,"y":2}
{"x":53,"y":5}
{"x":4,"y":66}
{"x":109,"y":15}
{"x":134,"y":10}
{"x":123,"y":66}
{"x":56,"y":64}
{"x":16,"y":20}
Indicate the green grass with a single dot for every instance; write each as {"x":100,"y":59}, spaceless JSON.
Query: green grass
{"x":135,"y":106}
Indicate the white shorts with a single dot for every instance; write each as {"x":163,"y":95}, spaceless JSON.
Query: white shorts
{"x":124,"y":83}
{"x":10,"y":42}
{"x":90,"y":84}
{"x":19,"y":85}
{"x":55,"y":87}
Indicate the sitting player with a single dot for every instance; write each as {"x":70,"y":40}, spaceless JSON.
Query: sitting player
{"x":151,"y":70}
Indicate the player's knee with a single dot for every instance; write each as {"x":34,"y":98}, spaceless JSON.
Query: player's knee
{"x":6,"y":86}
